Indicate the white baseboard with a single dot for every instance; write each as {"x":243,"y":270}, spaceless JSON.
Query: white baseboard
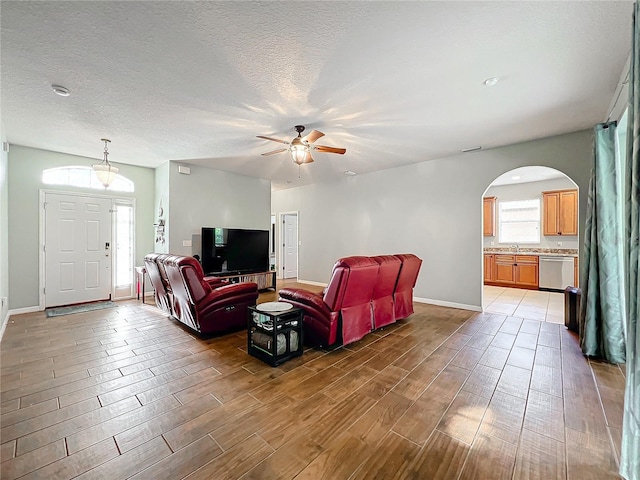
{"x":18,"y":311}
{"x":309,"y":282}
{"x":442,"y":303}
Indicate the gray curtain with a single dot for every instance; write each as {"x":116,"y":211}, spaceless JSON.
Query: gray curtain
{"x":602,"y":306}
{"x":630,"y":457}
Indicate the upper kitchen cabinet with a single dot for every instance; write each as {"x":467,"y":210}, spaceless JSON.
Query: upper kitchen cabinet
{"x":489,"y":216}
{"x":560,"y":212}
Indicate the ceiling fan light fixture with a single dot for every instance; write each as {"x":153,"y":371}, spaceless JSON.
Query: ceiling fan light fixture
{"x":105,"y":172}
{"x":299,"y":151}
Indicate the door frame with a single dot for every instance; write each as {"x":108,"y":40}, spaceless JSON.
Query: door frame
{"x":280,"y":239}
{"x":41,"y":237}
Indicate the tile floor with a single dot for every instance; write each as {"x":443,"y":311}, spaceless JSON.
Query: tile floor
{"x":529,"y":304}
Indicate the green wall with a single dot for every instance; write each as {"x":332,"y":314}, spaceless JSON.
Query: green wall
{"x":4,"y":221}
{"x":25,"y":166}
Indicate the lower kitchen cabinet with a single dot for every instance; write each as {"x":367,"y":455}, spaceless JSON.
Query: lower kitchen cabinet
{"x":513,"y":270}
{"x":527,"y":271}
{"x":505,"y":271}
{"x":489,"y":267}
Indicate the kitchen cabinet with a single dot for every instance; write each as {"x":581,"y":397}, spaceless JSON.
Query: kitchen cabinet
{"x":489,"y":216}
{"x":505,"y":272}
{"x":519,"y":271}
{"x":526,"y":268}
{"x":489,"y":266}
{"x":560,"y":212}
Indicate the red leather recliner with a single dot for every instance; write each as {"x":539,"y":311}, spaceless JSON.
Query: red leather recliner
{"x":160,"y":292}
{"x":403,"y":295}
{"x":382,"y":301}
{"x":203,"y":308}
{"x":342,"y":314}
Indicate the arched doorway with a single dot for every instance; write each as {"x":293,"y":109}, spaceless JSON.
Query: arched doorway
{"x":530,"y":243}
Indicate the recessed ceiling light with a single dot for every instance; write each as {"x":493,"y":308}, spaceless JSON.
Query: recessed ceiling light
{"x":349,"y":172}
{"x":60,"y":90}
{"x":471,"y":149}
{"x":490,"y":82}
{"x":515,"y":177}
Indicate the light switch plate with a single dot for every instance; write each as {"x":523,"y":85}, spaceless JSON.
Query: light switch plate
{"x":186,"y":243}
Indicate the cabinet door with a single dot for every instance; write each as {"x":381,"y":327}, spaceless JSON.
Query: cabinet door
{"x":489,"y":216}
{"x":550,"y":207}
{"x":527,"y":274}
{"x":568,"y":212}
{"x":504,"y":269}
{"x":488,"y":267}
{"x":560,"y":212}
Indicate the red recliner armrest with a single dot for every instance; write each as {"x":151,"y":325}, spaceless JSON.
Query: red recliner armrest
{"x":306,"y":297}
{"x":215,"y":281}
{"x":231,"y":290}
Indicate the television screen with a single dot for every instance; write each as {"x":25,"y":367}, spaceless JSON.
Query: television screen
{"x":233,"y":250}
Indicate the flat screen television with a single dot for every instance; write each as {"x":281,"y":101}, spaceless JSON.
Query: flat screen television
{"x":233,"y":250}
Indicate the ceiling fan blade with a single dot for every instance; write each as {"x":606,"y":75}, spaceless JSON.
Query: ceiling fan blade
{"x":273,"y":152}
{"x":322,"y":148}
{"x":273,"y":139}
{"x":312,"y":136}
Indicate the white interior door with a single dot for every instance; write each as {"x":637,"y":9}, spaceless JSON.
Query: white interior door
{"x":77,"y":249}
{"x":290,"y":235}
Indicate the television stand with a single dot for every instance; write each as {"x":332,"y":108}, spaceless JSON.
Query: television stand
{"x":265,"y":280}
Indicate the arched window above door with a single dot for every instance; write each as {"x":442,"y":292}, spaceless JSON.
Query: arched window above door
{"x":84,"y":177}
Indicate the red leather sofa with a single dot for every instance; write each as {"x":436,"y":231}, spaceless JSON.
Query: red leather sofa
{"x":403,"y":294}
{"x":205,"y":304}
{"x":382,"y":303}
{"x":359,"y":298}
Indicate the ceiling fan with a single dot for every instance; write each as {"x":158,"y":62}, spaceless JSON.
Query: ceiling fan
{"x":300,"y":147}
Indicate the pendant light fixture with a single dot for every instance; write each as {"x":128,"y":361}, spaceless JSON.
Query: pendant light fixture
{"x":105,"y":171}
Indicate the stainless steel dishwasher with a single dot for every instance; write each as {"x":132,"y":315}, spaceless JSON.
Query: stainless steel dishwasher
{"x":556,"y":273}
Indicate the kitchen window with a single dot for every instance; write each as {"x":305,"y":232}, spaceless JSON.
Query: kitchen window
{"x":519,"y":221}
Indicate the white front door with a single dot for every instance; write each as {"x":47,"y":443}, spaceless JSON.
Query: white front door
{"x":77,"y":249}
{"x":290,"y":235}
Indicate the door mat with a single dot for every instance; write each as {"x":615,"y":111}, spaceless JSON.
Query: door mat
{"x":84,"y":307}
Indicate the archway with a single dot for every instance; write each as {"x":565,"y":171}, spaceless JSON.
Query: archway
{"x":530,"y":243}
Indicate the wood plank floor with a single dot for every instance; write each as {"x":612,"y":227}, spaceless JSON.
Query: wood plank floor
{"x":446,"y":394}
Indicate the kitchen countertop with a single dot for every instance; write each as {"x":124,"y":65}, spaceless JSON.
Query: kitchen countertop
{"x":542,"y":252}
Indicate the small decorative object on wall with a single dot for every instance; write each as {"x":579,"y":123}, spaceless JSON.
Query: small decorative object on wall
{"x":160,"y":225}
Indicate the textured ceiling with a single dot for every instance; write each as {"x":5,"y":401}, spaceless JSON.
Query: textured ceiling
{"x":393,"y":82}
